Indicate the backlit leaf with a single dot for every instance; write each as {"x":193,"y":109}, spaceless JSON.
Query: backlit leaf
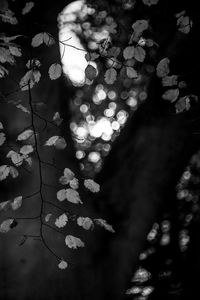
{"x":129,"y":52}
{"x":110,"y":76}
{"x":17,"y":203}
{"x":61,"y":221}
{"x":139,"y":54}
{"x":26,"y":149}
{"x":25,"y":135}
{"x":91,"y":185}
{"x":162,"y":68}
{"x":5,"y":226}
{"x":62,"y":265}
{"x":4,"y":172}
{"x":73,"y":196}
{"x":171,"y":95}
{"x":27,"y":8}
{"x":55,"y":71}
{"x":73,"y":242}
{"x":104,"y":224}
{"x":85,"y":222}
{"x":2,"y":138}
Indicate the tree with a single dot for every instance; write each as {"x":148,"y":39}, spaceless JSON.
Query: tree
{"x":140,"y":174}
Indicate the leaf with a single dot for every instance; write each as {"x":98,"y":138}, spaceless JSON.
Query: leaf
{"x":13,"y":172}
{"x":110,"y":76}
{"x":4,"y":172}
{"x":5,"y":205}
{"x":85,"y":222}
{"x":37,"y":40}
{"x":183,"y":104}
{"x":52,"y":140}
{"x":150,"y":2}
{"x":57,"y":119}
{"x":26,"y":149}
{"x":69,"y":174}
{"x":104,"y":224}
{"x":73,"y":196}
{"x":42,"y":37}
{"x":16,"y":158}
{"x":6,"y":56}
{"x":169,"y":80}
{"x":48,"y":39}
{"x":184,"y":23}
{"x":139,"y":54}
{"x":74,"y":183}
{"x":129,"y":52}
{"x":17,"y":203}
{"x":73,"y":242}
{"x":60,"y":144}
{"x":90,"y":72}
{"x":33,"y":63}
{"x":91,"y":185}
{"x":6,"y":225}
{"x":61,"y":221}
{"x":91,"y":56}
{"x":171,"y":95}
{"x":162,"y":68}
{"x":57,"y":141}
{"x":8,"y":39}
{"x":16,"y":51}
{"x":1,"y":126}
{"x":114,"y":52}
{"x":8,"y":17}
{"x":131,"y":73}
{"x":2,"y":138}
{"x":48,"y":217}
{"x":28,"y":160}
{"x":3,"y":71}
{"x":27,"y":8}
{"x":29,"y":79}
{"x":61,"y":195}
{"x":138,"y":28}
{"x":55,"y":71}
{"x":25,"y":135}
{"x":23,"y":108}
{"x":62,"y":265}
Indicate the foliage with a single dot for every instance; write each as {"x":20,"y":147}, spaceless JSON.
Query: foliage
{"x":122,"y":57}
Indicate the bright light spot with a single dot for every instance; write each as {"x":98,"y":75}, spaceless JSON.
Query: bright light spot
{"x":106,"y":137}
{"x":122,"y":116}
{"x":81,"y":132}
{"x":112,"y":95}
{"x":186,"y":175}
{"x":109,"y":112}
{"x":124,"y":95}
{"x":112,"y":105}
{"x":94,"y":157}
{"x":141,"y":275}
{"x":74,"y":62}
{"x":165,"y":239}
{"x":142,"y":96}
{"x":147,"y":291}
{"x":101,"y":95}
{"x":100,"y":128}
{"x":80,"y":154}
{"x":90,"y":119}
{"x":106,"y":147}
{"x":131,"y":101}
{"x":115,"y":125}
{"x":142,"y":42}
{"x":83,"y":108}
